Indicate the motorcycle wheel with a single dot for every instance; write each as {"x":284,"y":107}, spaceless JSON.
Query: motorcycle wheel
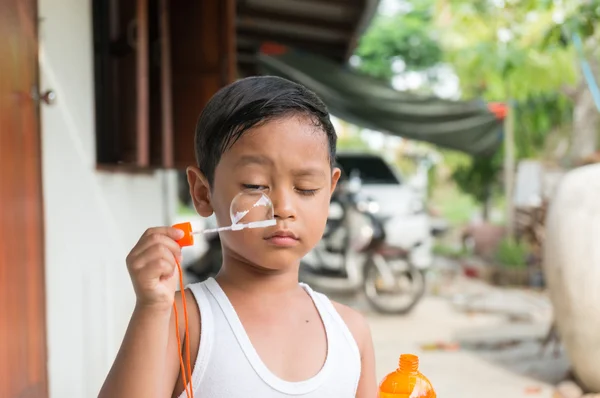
{"x":408,"y":290}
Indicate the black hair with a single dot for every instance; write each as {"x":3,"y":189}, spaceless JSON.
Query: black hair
{"x":248,"y":103}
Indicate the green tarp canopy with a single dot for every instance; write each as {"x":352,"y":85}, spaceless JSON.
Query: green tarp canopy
{"x":466,"y":126}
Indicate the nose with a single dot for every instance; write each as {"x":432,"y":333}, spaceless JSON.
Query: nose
{"x":283,"y":204}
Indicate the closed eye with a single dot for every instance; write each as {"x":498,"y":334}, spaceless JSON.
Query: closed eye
{"x":307,"y":192}
{"x":255,"y":187}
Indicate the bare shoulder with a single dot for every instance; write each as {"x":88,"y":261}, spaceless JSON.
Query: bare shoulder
{"x":356,"y":322}
{"x":193,"y":312}
{"x":359,"y":327}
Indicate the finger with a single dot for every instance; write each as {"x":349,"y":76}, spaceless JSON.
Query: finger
{"x":173,"y":233}
{"x":153,"y":253}
{"x":157,"y":239}
{"x":157,"y":269}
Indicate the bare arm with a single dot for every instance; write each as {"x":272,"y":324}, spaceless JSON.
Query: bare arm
{"x":142,"y":367}
{"x":367,"y":385}
{"x":140,"y":363}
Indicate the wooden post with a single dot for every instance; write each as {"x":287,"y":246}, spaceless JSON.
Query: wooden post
{"x":143,"y":85}
{"x":509,"y":168}
{"x":166,"y":83}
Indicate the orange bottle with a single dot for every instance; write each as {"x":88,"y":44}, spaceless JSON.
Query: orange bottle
{"x":406,"y":381}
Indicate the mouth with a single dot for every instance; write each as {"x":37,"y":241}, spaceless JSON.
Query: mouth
{"x":283,"y":238}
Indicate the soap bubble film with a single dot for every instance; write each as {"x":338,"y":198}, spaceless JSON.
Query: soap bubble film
{"x":251,"y":206}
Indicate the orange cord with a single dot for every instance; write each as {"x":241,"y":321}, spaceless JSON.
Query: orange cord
{"x":181,"y":365}
{"x":189,"y":390}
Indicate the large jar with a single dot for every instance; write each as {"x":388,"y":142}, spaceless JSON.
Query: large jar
{"x":572,"y":268}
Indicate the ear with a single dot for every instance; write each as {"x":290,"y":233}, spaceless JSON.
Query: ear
{"x":199,"y":191}
{"x":335,"y":177}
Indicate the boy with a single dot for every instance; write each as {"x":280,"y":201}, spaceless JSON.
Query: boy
{"x":254,"y":330}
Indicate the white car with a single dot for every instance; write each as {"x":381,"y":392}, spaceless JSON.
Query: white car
{"x":408,"y":224}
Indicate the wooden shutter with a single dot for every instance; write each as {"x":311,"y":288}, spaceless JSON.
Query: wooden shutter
{"x":157,"y":63}
{"x":121,"y":49}
{"x":203,"y":60}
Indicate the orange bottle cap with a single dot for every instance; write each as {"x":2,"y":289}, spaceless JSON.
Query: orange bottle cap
{"x":188,"y":238}
{"x":406,"y":381}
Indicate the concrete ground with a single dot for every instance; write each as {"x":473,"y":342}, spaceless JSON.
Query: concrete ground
{"x":496,"y":335}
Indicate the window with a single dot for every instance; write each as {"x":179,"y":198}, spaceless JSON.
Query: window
{"x":156,"y":64}
{"x":371,"y":169}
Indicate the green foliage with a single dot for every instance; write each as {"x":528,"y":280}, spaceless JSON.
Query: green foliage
{"x":496,"y":52}
{"x":407,"y":37}
{"x":582,"y":20}
{"x":479,"y":178}
{"x":536,"y":118}
{"x":450,"y":251}
{"x":512,"y":253}
{"x":454,"y":206}
{"x":500,"y":50}
{"x":521,"y":52}
{"x":432,"y":178}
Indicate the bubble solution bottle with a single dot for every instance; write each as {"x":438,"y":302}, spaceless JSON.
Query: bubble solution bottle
{"x":406,"y":381}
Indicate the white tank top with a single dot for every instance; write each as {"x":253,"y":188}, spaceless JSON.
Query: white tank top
{"x":228,"y":366}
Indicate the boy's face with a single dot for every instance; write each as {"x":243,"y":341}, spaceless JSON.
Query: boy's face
{"x":288,"y":159}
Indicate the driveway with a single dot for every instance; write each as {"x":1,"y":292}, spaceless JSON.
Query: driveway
{"x":473,"y":341}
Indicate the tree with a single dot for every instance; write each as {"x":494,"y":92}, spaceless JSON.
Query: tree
{"x":411,"y":38}
{"x":518,"y":50}
{"x":404,"y":38}
{"x":580,"y":30}
{"x":523,"y":51}
{"x":479,"y":179}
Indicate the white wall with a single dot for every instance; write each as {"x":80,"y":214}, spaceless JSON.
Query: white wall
{"x":92,"y":219}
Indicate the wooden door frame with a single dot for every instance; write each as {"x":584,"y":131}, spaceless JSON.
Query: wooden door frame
{"x":23,"y":365}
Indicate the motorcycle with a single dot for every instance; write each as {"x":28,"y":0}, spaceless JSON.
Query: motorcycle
{"x":353,"y":256}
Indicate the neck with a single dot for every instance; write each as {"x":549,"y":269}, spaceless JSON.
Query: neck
{"x":241,"y":276}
